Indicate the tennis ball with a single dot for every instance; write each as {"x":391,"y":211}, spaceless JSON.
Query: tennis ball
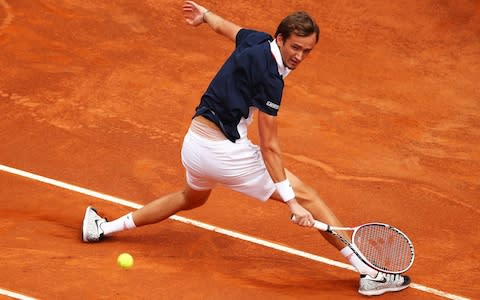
{"x":125,"y":261}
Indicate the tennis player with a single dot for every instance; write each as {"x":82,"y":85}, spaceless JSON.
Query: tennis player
{"x":217,"y":150}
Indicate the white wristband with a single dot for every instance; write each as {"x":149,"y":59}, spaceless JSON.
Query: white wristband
{"x":285,"y":190}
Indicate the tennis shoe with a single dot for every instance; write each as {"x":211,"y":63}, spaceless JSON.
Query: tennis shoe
{"x":383,"y":283}
{"x":91,"y":230}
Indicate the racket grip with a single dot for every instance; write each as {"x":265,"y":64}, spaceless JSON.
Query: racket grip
{"x":317,"y":224}
{"x":321,"y":226}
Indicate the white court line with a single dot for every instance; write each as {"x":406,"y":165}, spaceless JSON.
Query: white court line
{"x":14,"y":295}
{"x":226,"y":232}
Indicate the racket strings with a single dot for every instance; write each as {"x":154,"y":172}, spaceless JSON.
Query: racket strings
{"x":384,"y":247}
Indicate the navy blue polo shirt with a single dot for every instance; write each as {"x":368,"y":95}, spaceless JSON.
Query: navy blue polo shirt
{"x":249,"y":77}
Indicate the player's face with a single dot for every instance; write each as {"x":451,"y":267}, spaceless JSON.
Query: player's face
{"x":295,"y":49}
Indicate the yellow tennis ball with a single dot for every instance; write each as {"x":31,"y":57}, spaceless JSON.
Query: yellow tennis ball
{"x":125,"y":261}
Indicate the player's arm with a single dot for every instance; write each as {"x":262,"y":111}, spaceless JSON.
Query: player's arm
{"x":272,"y":156}
{"x":196,"y":14}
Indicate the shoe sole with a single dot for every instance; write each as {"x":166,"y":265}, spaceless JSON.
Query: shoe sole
{"x":383,"y":291}
{"x":85,"y":223}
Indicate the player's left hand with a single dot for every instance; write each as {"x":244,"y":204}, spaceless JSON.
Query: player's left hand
{"x":193,"y":13}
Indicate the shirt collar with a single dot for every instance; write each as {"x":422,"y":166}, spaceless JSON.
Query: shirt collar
{"x":282,"y":69}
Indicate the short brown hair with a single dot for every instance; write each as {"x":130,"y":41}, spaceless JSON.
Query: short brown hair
{"x":300,"y":23}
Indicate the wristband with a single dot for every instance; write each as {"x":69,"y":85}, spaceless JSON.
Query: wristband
{"x":285,"y":190}
{"x":203,"y":16}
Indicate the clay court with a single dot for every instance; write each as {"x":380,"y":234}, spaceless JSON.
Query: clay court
{"x":383,"y":119}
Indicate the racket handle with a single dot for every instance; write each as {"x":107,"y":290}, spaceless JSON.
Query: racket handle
{"x":317,"y":224}
{"x":321,"y":226}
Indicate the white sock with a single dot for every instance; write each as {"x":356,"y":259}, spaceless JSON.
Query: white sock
{"x":357,"y":263}
{"x":120,"y":224}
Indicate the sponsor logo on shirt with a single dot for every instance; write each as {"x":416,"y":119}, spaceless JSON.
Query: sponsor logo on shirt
{"x":272,"y":105}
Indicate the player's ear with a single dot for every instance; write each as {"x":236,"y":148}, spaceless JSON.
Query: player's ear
{"x":280,"y":39}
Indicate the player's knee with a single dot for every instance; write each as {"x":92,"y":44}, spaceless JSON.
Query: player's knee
{"x":192,"y":203}
{"x":194,"y":199}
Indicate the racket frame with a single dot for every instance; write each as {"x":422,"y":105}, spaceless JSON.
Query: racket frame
{"x":333,"y":230}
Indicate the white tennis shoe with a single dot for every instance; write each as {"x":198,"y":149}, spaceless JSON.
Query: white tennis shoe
{"x":383,"y":283}
{"x":91,"y":230}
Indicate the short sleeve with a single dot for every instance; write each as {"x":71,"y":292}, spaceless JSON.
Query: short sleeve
{"x":268,"y":96}
{"x":257,"y":72}
{"x":242,"y":35}
{"x":247,"y":38}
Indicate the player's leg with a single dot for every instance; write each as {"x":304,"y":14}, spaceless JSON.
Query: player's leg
{"x":372,"y":282}
{"x":169,"y":205}
{"x":95,"y":227}
{"x":195,"y":151}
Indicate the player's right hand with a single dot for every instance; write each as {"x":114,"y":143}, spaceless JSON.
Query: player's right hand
{"x":300,"y":215}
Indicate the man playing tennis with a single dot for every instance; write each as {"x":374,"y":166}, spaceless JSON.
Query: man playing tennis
{"x":217,"y":150}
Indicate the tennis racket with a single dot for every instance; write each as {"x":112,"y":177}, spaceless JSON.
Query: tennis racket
{"x":381,"y":246}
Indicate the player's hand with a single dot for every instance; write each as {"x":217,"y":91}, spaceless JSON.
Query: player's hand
{"x":193,"y":13}
{"x":302,"y":216}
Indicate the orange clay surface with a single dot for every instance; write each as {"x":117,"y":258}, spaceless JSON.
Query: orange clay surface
{"x":383,"y":119}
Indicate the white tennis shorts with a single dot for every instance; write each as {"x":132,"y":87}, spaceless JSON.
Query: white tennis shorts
{"x":238,"y":166}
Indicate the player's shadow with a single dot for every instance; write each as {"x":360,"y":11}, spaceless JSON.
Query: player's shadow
{"x":238,"y":261}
